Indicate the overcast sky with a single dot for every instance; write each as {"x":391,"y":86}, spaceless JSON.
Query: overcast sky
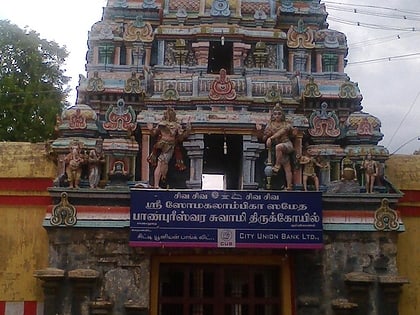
{"x":383,"y":39}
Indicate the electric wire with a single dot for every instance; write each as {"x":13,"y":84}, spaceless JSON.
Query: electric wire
{"x":380,"y":14}
{"x":374,"y":26}
{"x":373,"y":7}
{"x":391,"y":58}
{"x":404,"y":31}
{"x":375,"y":14}
{"x":404,"y":144}
{"x":402,"y":121}
{"x":381,"y":40}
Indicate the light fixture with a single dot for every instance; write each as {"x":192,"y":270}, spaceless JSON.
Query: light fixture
{"x":224,"y":146}
{"x":222,"y":39}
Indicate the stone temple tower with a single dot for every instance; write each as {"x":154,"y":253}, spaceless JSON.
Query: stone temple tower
{"x":254,"y":91}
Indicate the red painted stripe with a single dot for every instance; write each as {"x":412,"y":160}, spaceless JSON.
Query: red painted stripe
{"x":25,"y":201}
{"x":347,"y":214}
{"x":2,"y":308}
{"x":407,"y":211}
{"x":30,"y":308}
{"x":410,"y":196}
{"x":22,"y":184}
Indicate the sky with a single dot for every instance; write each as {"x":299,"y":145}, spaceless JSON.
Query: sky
{"x":383,"y":39}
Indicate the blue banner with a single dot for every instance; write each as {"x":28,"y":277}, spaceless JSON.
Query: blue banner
{"x":235,"y":219}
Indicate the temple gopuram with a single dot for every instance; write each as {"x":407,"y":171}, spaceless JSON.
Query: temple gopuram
{"x":254,"y":91}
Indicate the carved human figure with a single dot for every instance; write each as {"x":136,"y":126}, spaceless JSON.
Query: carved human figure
{"x":170,"y":135}
{"x":309,"y":164}
{"x":94,"y":161}
{"x":277,"y":136}
{"x":73,"y":162}
{"x":370,"y":169}
{"x":324,"y":171}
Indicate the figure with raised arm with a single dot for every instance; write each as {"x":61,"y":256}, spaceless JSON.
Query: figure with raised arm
{"x":169,"y":134}
{"x":73,"y":162}
{"x":277,"y":136}
{"x":309,"y":164}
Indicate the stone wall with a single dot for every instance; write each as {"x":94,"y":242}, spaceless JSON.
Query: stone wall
{"x":101,"y":260}
{"x":350,"y":273}
{"x":347,"y":274}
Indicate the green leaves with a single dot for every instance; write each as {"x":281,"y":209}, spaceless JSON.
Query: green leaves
{"x":32,"y":84}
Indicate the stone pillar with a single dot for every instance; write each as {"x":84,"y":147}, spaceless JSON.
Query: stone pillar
{"x":309,"y":64}
{"x":239,"y":54}
{"x":238,"y":8}
{"x":251,"y":151}
{"x":129,"y":55}
{"x":194,"y":146}
{"x":148,"y":54}
{"x":390,"y":289}
{"x":359,"y":284}
{"x":161,"y":52}
{"x":280,"y":56}
{"x":202,"y":7}
{"x":300,"y":61}
{"x":117,"y":55}
{"x":96,"y":55}
{"x":138,"y":54}
{"x":291,"y":59}
{"x":83,"y":283}
{"x":53,"y":279}
{"x":201,"y":52}
{"x":340,"y":67}
{"x":195,"y":80}
{"x":318,"y":62}
{"x":248,"y":84}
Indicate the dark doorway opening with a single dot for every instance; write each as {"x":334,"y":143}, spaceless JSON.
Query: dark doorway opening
{"x":220,"y":56}
{"x":223,"y":155}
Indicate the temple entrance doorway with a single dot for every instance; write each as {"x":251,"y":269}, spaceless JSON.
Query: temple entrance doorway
{"x":221,"y":285}
{"x":213,"y":289}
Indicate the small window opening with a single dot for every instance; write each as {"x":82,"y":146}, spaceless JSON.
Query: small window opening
{"x":106,"y":55}
{"x":220,"y":56}
{"x":123,"y":55}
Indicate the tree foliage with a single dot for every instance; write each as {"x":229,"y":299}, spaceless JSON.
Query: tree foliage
{"x":33,"y":86}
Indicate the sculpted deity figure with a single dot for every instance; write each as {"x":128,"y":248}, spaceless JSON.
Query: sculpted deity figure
{"x":170,"y":135}
{"x":309,"y":170}
{"x":370,"y":168}
{"x":73,"y":162}
{"x":94,"y":160}
{"x":277,"y":136}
